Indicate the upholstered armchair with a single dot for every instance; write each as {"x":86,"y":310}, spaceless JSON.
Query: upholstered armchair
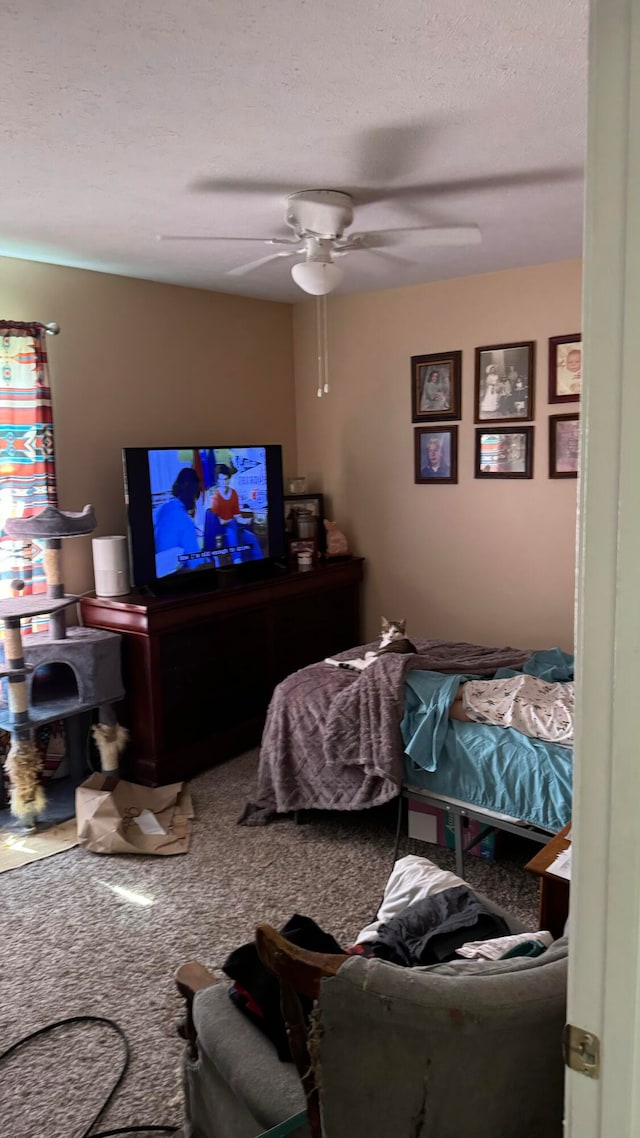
{"x":466,"y":1047}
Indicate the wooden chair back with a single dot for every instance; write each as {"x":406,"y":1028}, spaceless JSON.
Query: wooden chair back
{"x":299,"y":972}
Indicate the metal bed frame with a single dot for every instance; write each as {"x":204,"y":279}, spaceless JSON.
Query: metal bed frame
{"x":461,"y":810}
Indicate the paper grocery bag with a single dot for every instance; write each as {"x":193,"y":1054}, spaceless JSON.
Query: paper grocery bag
{"x":115,"y":816}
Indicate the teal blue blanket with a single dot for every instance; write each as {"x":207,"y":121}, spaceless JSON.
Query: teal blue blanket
{"x":492,"y":767}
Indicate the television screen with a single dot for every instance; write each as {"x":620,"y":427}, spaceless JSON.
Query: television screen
{"x":202,"y":508}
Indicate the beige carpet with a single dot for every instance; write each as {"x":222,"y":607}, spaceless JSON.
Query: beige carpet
{"x":90,"y":934}
{"x":17,"y":850}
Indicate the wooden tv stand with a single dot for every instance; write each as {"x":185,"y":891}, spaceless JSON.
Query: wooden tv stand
{"x":200,"y":667}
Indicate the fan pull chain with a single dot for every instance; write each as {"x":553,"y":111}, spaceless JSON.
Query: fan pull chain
{"x":319,"y":339}
{"x":325,"y":346}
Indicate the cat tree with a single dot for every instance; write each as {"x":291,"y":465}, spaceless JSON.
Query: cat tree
{"x":56,"y":674}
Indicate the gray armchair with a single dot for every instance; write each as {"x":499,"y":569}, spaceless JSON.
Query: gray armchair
{"x":465,"y":1047}
{"x":462,"y":1048}
{"x":234,"y":1084}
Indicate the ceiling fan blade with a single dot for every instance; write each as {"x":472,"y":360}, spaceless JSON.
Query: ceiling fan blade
{"x":209,"y":237}
{"x":386,"y":256}
{"x":419,"y":235}
{"x":402,"y":144}
{"x":241,"y":186}
{"x":251,"y":265}
{"x":367,"y":195}
{"x":389,"y":153}
{"x":360,"y":247}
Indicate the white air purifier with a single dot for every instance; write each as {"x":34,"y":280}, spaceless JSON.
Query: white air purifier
{"x":111,"y":566}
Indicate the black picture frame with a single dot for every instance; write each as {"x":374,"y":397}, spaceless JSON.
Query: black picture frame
{"x":444,"y":403}
{"x":313,"y":502}
{"x":511,"y":367}
{"x":565,"y":373}
{"x":508,"y":449}
{"x":447,"y":455}
{"x":564,"y":452}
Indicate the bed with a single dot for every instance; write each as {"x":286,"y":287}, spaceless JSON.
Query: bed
{"x":492,"y":774}
{"x":335,"y":739}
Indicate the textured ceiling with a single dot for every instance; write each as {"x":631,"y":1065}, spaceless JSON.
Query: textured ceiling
{"x":120,"y":113}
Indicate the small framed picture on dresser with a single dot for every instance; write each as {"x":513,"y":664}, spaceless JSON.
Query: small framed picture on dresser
{"x":304,"y":518}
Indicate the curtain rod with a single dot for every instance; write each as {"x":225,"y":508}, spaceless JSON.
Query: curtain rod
{"x":51,"y":329}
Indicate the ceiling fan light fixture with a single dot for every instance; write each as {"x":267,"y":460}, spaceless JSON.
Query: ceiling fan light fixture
{"x":317,"y":277}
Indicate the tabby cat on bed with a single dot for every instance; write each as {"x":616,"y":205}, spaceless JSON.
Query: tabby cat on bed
{"x":392,"y":639}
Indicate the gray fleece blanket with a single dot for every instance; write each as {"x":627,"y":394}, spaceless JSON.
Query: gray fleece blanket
{"x":332,"y":737}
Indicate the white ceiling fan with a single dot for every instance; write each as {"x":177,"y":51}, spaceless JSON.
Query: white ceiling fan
{"x":319,"y":219}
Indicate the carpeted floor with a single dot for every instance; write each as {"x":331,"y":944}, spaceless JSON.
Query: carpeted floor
{"x":72,"y":946}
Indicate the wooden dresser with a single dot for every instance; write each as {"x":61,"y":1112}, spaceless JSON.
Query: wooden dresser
{"x":199,"y":667}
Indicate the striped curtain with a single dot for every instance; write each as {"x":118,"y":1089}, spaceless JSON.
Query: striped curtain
{"x":27,"y":464}
{"x":27,"y":483}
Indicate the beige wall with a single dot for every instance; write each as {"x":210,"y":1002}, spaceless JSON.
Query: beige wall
{"x":489,"y":561}
{"x":141,"y":363}
{"x":137,"y":364}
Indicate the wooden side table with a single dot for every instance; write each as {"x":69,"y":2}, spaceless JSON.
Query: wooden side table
{"x":554,"y":891}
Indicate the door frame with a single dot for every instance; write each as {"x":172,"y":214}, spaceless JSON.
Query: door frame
{"x":604,"y":925}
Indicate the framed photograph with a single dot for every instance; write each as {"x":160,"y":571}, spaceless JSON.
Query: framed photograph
{"x":295,"y":525}
{"x":505,"y":382}
{"x":504,"y":454}
{"x":565,"y":368}
{"x":436,"y":387}
{"x":564,"y":445}
{"x":436,"y":454}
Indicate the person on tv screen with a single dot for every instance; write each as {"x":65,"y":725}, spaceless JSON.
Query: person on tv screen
{"x":224,"y":526}
{"x":225,"y":503}
{"x":174,"y":527}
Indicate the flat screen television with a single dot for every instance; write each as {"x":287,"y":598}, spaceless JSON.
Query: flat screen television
{"x":199,"y":510}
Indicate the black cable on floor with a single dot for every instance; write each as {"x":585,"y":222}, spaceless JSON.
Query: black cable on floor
{"x":125,"y":1067}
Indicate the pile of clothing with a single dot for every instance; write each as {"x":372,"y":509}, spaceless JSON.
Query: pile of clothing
{"x":427,"y":916}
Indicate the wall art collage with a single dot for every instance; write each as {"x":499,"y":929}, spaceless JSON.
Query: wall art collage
{"x":504,"y":405}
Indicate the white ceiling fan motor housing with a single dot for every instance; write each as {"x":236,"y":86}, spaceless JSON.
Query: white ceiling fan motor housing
{"x":319,"y":213}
